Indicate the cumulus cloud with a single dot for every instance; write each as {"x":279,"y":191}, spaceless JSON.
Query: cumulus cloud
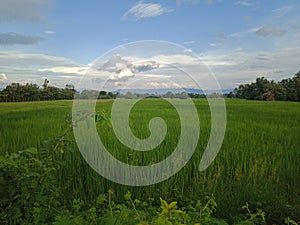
{"x":164,"y":85}
{"x":270,"y":31}
{"x":21,"y":10}
{"x":243,"y":67}
{"x":3,"y":77}
{"x":230,"y":69}
{"x":188,"y":50}
{"x":145,"y":66}
{"x":143,"y":10}
{"x":115,"y":62}
{"x":122,"y":69}
{"x":3,"y":81}
{"x":14,"y":39}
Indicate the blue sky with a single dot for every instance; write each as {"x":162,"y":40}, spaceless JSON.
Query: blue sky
{"x":238,"y":39}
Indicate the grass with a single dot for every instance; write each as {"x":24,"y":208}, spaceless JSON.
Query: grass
{"x":258,"y":161}
{"x":28,"y":124}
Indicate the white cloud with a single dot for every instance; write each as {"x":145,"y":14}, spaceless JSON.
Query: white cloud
{"x":25,"y":60}
{"x":123,"y":74}
{"x":67,"y":77}
{"x":245,"y":67}
{"x":123,"y":69}
{"x":217,"y":61}
{"x":159,"y":76}
{"x":3,"y":77}
{"x":185,"y":60}
{"x":245,"y":32}
{"x":270,"y":31}
{"x":80,"y":70}
{"x":188,"y":42}
{"x":130,"y":69}
{"x":180,"y":59}
{"x":231,"y":69}
{"x":188,"y":50}
{"x":143,"y":10}
{"x":50,"y":32}
{"x":245,"y":3}
{"x":283,"y":10}
{"x":158,"y":85}
{"x":35,"y":67}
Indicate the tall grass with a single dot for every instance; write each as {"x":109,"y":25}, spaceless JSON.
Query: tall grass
{"x":258,"y":161}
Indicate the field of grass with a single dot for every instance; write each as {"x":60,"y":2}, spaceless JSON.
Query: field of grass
{"x":258,"y":162}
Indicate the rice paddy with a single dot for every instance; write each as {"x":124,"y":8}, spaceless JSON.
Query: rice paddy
{"x":258,"y":161}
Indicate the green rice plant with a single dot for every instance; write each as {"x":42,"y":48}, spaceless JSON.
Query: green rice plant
{"x":257,"y":163}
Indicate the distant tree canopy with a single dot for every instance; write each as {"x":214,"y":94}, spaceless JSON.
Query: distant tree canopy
{"x":263,"y":89}
{"x":93,"y":94}
{"x":17,"y":92}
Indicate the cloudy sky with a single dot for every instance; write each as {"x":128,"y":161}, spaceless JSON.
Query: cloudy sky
{"x":237,"y":39}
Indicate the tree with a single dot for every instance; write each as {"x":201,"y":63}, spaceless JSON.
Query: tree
{"x":68,"y":92}
{"x":183,"y":95}
{"x":263,"y":89}
{"x":46,"y":82}
{"x":17,"y":92}
{"x":129,"y":95}
{"x":169,"y":94}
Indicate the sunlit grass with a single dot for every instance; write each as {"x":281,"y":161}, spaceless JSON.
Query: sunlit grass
{"x":258,"y":161}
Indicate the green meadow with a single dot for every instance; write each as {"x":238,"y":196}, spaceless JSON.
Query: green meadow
{"x":258,"y":163}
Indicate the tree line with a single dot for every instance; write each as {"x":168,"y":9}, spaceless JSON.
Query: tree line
{"x":17,"y":92}
{"x":264,"y":89}
{"x":261,"y":89}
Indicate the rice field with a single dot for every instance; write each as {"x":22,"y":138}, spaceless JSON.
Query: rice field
{"x":258,"y":162}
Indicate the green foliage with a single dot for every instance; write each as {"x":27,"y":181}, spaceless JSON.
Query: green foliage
{"x":251,"y":218}
{"x":28,"y":188}
{"x":133,"y":212}
{"x":289,"y":221}
{"x":17,"y":92}
{"x":263,"y":89}
{"x":92,"y":94}
{"x":258,"y":163}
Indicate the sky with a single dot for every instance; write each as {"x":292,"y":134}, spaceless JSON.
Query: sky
{"x":238,"y":40}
